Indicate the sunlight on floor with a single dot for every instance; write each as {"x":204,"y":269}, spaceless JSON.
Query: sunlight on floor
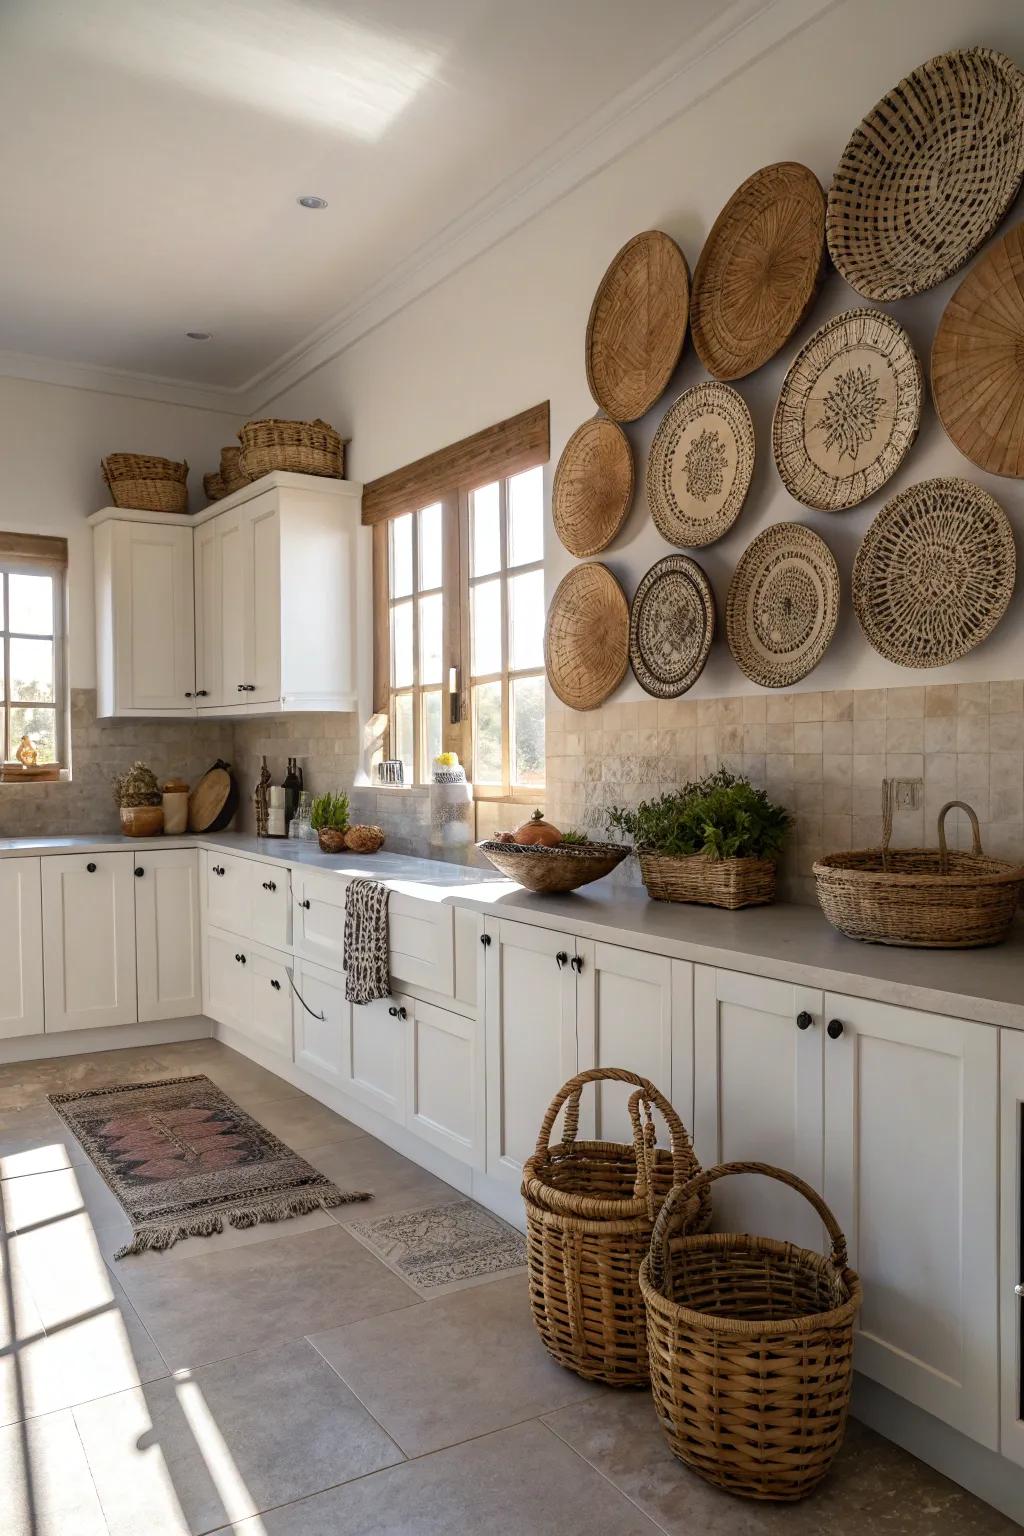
{"x":220,"y":1464}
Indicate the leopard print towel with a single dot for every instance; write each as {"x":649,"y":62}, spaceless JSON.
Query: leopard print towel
{"x":366,"y":941}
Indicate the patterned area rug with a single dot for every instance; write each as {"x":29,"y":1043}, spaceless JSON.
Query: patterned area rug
{"x":443,"y":1247}
{"x":181,"y":1157}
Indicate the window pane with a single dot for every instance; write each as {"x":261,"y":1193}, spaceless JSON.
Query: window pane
{"x":430,"y":639}
{"x":485,"y":530}
{"x":31,"y":599}
{"x":403,"y":743}
{"x":401,"y":556}
{"x":431,"y":735}
{"x":485,"y":615}
{"x":39,"y":725}
{"x":430,"y":547}
{"x":526,"y":722}
{"x":32,"y":670}
{"x":526,"y":621}
{"x":487,"y":733}
{"x":526,"y":517}
{"x":401,"y":646}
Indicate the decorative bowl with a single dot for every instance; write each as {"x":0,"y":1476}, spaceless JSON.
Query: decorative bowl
{"x":540,"y":867}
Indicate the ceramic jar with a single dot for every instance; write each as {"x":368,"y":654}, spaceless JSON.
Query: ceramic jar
{"x":175,"y":807}
{"x":142,"y":820}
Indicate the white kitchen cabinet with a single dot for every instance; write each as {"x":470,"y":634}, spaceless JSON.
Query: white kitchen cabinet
{"x":1011,"y":1226}
{"x":220,"y":623}
{"x":912,"y":1174}
{"x":758,"y":1097}
{"x":421,"y":933}
{"x":249,"y":897}
{"x":270,"y":1019}
{"x":270,"y":912}
{"x":167,"y":945}
{"x":444,"y":1082}
{"x":377,"y":1063}
{"x":322,"y":1023}
{"x":89,"y":950}
{"x":320,"y":917}
{"x":226,"y":987}
{"x":145,"y":637}
{"x":21,"y":949}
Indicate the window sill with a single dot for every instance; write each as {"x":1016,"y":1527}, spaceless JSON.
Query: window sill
{"x":10,"y":783}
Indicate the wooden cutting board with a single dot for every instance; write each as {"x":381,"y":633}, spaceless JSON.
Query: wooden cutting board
{"x":214,"y":800}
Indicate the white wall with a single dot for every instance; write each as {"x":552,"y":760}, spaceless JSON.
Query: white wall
{"x":507,"y":330}
{"x":51,"y":441}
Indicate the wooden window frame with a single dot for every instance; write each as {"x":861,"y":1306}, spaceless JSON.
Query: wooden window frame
{"x":35,"y":555}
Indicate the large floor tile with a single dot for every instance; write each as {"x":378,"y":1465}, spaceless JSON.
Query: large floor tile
{"x":113,"y":1238}
{"x":36,"y":1140}
{"x":46,"y":1199}
{"x":448,"y":1369}
{"x":214,"y":1445}
{"x":240,"y":1299}
{"x":519,"y":1482}
{"x":45,"y":1485}
{"x":299,"y":1121}
{"x":366,"y":1163}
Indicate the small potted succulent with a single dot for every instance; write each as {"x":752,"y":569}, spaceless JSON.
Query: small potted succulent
{"x":328,"y":817}
{"x":139,"y":800}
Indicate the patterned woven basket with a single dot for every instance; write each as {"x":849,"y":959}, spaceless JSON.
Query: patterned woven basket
{"x":728,"y":883}
{"x":590,"y":1212}
{"x":751,"y":1346}
{"x":146,"y":483}
{"x":304,"y":447}
{"x":540,"y":868}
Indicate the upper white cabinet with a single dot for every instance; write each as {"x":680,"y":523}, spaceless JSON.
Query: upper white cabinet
{"x":145,"y":637}
{"x":260,"y":603}
{"x":89,"y":955}
{"x":21,"y":949}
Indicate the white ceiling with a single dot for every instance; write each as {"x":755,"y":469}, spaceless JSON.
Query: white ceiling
{"x":151,"y":152}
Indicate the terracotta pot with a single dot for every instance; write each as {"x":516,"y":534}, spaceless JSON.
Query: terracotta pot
{"x":331,"y":840}
{"x":142,"y":820}
{"x":537,"y":830}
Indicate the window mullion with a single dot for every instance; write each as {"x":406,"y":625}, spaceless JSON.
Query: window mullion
{"x":8,"y":754}
{"x":506,"y":692}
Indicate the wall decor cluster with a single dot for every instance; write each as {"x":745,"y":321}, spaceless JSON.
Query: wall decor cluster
{"x":848,"y":410}
{"x":759,"y":271}
{"x":928,"y":175}
{"x":586,"y":637}
{"x":637,"y":325}
{"x":783,"y":605}
{"x":593,"y":487}
{"x":700,"y":464}
{"x":935,"y":573}
{"x":977,"y":364}
{"x":671,"y":626}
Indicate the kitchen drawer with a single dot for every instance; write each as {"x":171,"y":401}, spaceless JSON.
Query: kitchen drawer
{"x":250,"y":898}
{"x":444,"y":1089}
{"x":247,"y":987}
{"x":422,"y":952}
{"x":271,"y":909}
{"x":227,"y":892}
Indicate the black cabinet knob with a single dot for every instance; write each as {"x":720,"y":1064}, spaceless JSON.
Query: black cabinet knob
{"x":218,"y":869}
{"x":238,"y":957}
{"x":402,"y":1014}
{"x":393,"y":1011}
{"x":485,"y":939}
{"x":189,"y":695}
{"x":139,"y":871}
{"x":835,"y":1028}
{"x":242,"y":958}
{"x":561,"y":958}
{"x":577,"y":964}
{"x":804,"y":1020}
{"x":275,"y":984}
{"x":202,"y":693}
{"x":305,"y":903}
{"x":269,"y":885}
{"x":240,"y":688}
{"x":91,"y":868}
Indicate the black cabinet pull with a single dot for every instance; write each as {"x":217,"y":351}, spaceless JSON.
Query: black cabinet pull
{"x":202,"y":693}
{"x":577,"y":964}
{"x":402,"y":1014}
{"x":238,"y":956}
{"x":240,"y":959}
{"x":485,"y":939}
{"x":139,"y":871}
{"x":269,"y":885}
{"x":189,"y":695}
{"x":305,"y":903}
{"x":804,"y":1020}
{"x":393,"y":1011}
{"x":91,"y":868}
{"x":561,"y":958}
{"x":275,"y":984}
{"x":835,"y":1028}
{"x":218,"y":869}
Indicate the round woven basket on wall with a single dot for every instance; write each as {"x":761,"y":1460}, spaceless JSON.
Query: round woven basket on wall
{"x":671,"y":626}
{"x":783,"y":605}
{"x":935,"y":573}
{"x":928,"y":175}
{"x":637,"y":325}
{"x":586,"y":638}
{"x":593,"y":487}
{"x":700,"y":464}
{"x":759,"y":271}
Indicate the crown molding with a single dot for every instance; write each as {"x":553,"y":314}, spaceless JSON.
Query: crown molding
{"x":118,"y":381}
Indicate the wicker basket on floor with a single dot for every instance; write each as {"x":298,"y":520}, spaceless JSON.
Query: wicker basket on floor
{"x":590,"y":1211}
{"x":146,"y":483}
{"x":751,"y":1346}
{"x":304,"y":447}
{"x":728,"y":883}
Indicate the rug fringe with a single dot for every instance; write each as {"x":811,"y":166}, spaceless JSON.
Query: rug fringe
{"x":158,"y":1239}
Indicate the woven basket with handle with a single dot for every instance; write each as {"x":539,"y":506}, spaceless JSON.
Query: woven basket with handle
{"x":146,"y":483}
{"x":304,"y":447}
{"x":590,"y":1211}
{"x":751,"y":1346}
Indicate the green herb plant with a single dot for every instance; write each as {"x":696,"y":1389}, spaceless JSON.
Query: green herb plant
{"x":329,"y":811}
{"x":722,"y":816}
{"x":574,"y":839}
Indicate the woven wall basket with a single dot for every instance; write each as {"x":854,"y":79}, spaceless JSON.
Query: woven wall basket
{"x":586,"y":638}
{"x":671,"y":626}
{"x":783,"y":605}
{"x":928,"y":175}
{"x":978,"y":360}
{"x":848,"y":410}
{"x":700,"y":464}
{"x":935,"y":573}
{"x":593,"y":487}
{"x":637,"y":325}
{"x":759,"y":271}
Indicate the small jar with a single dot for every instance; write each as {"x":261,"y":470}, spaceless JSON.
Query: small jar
{"x":175,"y":803}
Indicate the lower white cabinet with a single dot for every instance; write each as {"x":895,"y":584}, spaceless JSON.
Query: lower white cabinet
{"x":167,"y":942}
{"x":89,"y":952}
{"x":247,"y":987}
{"x":322,"y":1023}
{"x":421,"y":933}
{"x":320,"y":917}
{"x":377,"y":1055}
{"x":248,"y":896}
{"x":444,"y":1081}
{"x":21,"y":949}
{"x":1011,"y":1226}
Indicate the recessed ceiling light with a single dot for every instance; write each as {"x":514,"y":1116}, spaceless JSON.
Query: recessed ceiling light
{"x":311,"y":202}
{"x":199,"y":335}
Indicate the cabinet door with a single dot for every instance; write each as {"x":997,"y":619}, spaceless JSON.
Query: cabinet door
{"x":89,"y":955}
{"x":167,"y":933}
{"x":232,"y":617}
{"x":530,"y":1023}
{"x":270,"y":904}
{"x":320,"y":917}
{"x":154,"y":633}
{"x":379,"y":1039}
{"x":263,"y":602}
{"x":21,"y":949}
{"x":270,"y":1021}
{"x":911,"y":1172}
{"x":209,"y":621}
{"x":443,"y":1101}
{"x":322,"y":1024}
{"x":758,"y":1097}
{"x":227,"y":980}
{"x":1011,"y":1227}
{"x":228,"y":889}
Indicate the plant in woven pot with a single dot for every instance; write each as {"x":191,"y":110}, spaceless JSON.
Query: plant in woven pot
{"x":140,"y":801}
{"x":328,"y":816}
{"x":716,"y":841}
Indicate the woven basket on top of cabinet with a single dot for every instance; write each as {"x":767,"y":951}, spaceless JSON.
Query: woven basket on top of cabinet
{"x":146,"y":483}
{"x":751,"y":1346}
{"x":303,"y":447}
{"x":590,"y":1212}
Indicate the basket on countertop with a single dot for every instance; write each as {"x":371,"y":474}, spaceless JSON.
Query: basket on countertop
{"x":751,"y":1346}
{"x":304,"y":447}
{"x":564,"y":867}
{"x":590,"y":1212}
{"x":730,"y":883}
{"x":146,"y":483}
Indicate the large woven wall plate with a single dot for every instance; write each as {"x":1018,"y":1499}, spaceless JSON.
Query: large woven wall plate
{"x":671,"y":626}
{"x":586,"y":638}
{"x":928,"y":175}
{"x":978,"y":360}
{"x":700,"y":464}
{"x":848,"y":410}
{"x":935,"y":573}
{"x":637,"y":325}
{"x":783,"y":605}
{"x":593,"y":487}
{"x":759,"y":271}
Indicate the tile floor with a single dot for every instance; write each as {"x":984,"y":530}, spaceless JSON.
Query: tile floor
{"x":282,"y":1381}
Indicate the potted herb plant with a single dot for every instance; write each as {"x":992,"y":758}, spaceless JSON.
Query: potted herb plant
{"x":715,"y":841}
{"x":328,"y":816}
{"x":139,"y":798}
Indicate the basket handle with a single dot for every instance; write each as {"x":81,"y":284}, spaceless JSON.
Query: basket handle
{"x":700,"y":1182}
{"x":955,"y":805}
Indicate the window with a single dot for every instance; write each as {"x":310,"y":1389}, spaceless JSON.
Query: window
{"x":32,"y":688}
{"x":416,"y":636}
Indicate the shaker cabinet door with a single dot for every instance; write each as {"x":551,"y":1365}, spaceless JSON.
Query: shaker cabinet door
{"x":21,"y":949}
{"x":89,"y":953}
{"x":167,"y":932}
